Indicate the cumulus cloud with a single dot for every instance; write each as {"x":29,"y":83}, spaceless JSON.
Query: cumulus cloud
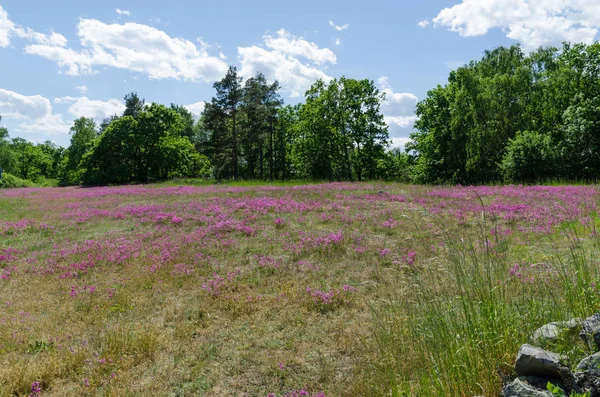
{"x":338,"y":28}
{"x":34,"y":113}
{"x":134,"y":47}
{"x":287,"y":44}
{"x":398,"y":110}
{"x":293,"y":61}
{"x":533,"y":23}
{"x":424,"y":23}
{"x":85,"y":107}
{"x":8,"y":28}
{"x":82,"y":88}
{"x":50,"y":124}
{"x":196,"y":108}
{"x":400,"y":142}
{"x":122,"y":12}
{"x":338,"y":42}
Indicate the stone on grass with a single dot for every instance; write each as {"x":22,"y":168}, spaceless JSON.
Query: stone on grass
{"x":588,"y":382}
{"x":519,"y":388}
{"x":590,"y":331}
{"x":591,"y":363}
{"x":551,"y":332}
{"x":533,"y":361}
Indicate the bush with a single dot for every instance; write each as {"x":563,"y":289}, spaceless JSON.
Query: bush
{"x":11,"y":181}
{"x":529,"y":157}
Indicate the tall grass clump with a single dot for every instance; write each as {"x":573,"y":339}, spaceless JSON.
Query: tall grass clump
{"x":453,"y":326}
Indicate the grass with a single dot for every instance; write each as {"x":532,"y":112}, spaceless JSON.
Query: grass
{"x":250,"y":289}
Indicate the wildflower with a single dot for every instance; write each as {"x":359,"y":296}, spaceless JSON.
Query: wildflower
{"x":410,"y":257}
{"x":36,"y":389}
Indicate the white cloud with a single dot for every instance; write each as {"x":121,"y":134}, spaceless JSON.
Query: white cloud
{"x":14,"y":105}
{"x":287,"y":44}
{"x":399,"y":142}
{"x":533,"y":23}
{"x":338,"y":28}
{"x":424,"y":23}
{"x":122,"y":12}
{"x":196,"y":108}
{"x":34,"y":113}
{"x":54,"y":39}
{"x":84,"y":107}
{"x":134,"y":47}
{"x":398,"y":109}
{"x":338,"y":42}
{"x":82,"y":88}
{"x":8,"y":28}
{"x":280,"y":61}
{"x":50,"y":124}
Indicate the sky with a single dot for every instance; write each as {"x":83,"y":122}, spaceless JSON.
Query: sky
{"x":60,"y":60}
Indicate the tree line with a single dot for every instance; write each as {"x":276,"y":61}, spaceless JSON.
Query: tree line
{"x":512,"y":117}
{"x":509,"y":117}
{"x":245,"y":132}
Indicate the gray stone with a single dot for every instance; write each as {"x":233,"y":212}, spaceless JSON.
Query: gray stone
{"x":588,"y":382}
{"x":519,"y":388}
{"x":590,"y":331}
{"x":591,"y":363}
{"x":542,"y":383}
{"x":551,"y":332}
{"x":533,"y":361}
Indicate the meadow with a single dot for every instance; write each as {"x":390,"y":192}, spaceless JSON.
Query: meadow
{"x":340,"y":289}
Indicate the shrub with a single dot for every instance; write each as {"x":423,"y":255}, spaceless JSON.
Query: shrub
{"x":11,"y":181}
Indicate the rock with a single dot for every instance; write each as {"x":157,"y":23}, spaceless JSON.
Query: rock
{"x":551,"y":332}
{"x":542,"y":383}
{"x":588,"y":382}
{"x":533,"y":361}
{"x":519,"y":388}
{"x":591,"y":363}
{"x":590,"y":331}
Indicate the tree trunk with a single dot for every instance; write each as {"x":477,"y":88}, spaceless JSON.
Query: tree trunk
{"x":250,"y":156}
{"x":261,"y":159}
{"x":234,"y":151}
{"x":348,"y":166}
{"x":271,"y":151}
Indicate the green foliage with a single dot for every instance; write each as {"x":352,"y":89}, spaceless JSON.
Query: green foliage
{"x":83,"y":134}
{"x":11,"y":181}
{"x":529,"y":156}
{"x":394,"y":166}
{"x":243,"y":133}
{"x":149,"y":147}
{"x":39,"y":347}
{"x":468,"y":130}
{"x":558,"y":392}
{"x":8,"y":159}
{"x":341,"y":134}
{"x":133,"y":105}
{"x":32,"y":162}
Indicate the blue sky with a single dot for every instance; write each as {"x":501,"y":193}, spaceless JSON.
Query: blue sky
{"x":60,"y":60}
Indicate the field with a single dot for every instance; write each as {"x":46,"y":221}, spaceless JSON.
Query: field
{"x":310,"y":290}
